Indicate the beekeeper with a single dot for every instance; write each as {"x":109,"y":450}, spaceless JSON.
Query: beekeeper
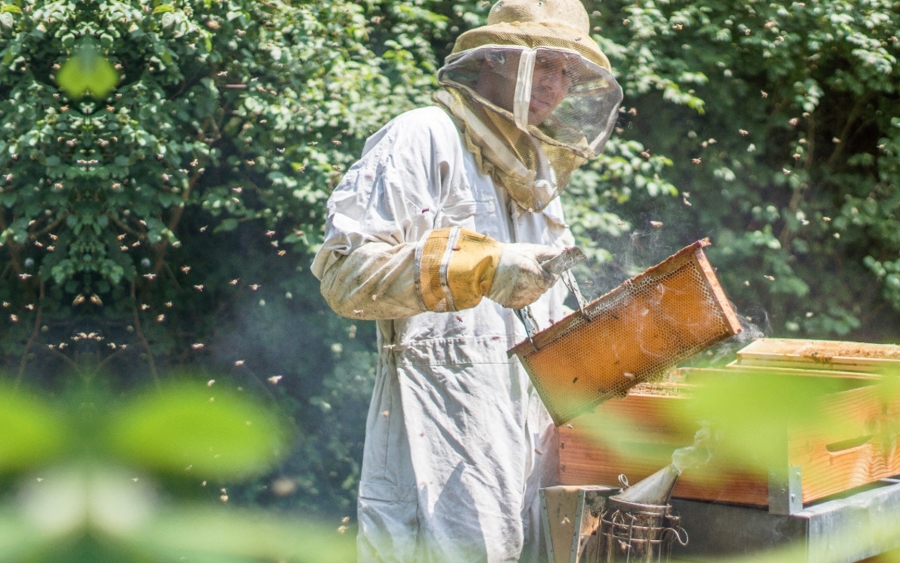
{"x":450,"y":205}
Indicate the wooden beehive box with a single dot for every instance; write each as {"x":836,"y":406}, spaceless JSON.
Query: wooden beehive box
{"x":636,"y":435}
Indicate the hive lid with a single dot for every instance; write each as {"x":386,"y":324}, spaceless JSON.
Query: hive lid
{"x":825,"y":355}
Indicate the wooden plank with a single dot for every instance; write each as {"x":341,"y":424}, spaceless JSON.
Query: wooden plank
{"x":721,"y":299}
{"x":831,"y":380}
{"x":636,"y":436}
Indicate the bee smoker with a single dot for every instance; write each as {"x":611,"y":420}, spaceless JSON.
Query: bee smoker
{"x":638,"y":524}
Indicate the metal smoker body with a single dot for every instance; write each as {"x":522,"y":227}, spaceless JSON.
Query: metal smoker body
{"x":639,"y":524}
{"x":636,"y":524}
{"x":631,"y":532}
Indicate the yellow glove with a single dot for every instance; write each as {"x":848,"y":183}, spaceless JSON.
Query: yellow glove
{"x":457,"y":267}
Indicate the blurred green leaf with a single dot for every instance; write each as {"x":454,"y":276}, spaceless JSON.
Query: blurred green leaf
{"x":17,"y":538}
{"x":87,"y":71}
{"x":31,"y":432}
{"x":208,"y":432}
{"x":200,"y":533}
{"x":754,"y":414}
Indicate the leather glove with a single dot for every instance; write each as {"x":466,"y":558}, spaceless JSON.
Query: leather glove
{"x":519,"y":279}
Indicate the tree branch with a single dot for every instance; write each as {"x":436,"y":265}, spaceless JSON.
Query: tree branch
{"x":785,"y":237}
{"x":854,"y":114}
{"x":49,"y":227}
{"x":142,"y":338}
{"x":34,"y":334}
{"x":124,"y":227}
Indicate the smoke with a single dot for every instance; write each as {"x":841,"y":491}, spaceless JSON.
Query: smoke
{"x":700,"y":452}
{"x":629,"y":255}
{"x":726,"y":351}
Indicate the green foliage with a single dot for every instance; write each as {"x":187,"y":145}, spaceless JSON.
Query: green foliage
{"x":32,"y":432}
{"x":224,"y":113}
{"x":776,"y":123}
{"x":99,"y":498}
{"x":166,"y":223}
{"x":212,"y":433}
{"x":87,"y":71}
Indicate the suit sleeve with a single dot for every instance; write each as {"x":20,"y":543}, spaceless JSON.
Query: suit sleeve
{"x":382,"y":257}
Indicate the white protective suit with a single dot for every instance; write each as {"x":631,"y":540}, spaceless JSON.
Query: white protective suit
{"x":457,"y":440}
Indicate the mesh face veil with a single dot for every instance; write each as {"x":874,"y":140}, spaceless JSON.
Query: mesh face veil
{"x":531,"y":104}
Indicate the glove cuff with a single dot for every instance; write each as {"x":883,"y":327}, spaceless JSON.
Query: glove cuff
{"x":455,"y":268}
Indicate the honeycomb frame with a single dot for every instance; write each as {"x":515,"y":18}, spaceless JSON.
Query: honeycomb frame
{"x":637,"y":332}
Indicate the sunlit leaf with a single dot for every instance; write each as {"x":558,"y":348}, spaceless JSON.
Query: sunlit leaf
{"x":202,"y":534}
{"x":754,"y":414}
{"x":205,"y":432}
{"x":31,"y":432}
{"x":87,"y":71}
{"x":17,"y":538}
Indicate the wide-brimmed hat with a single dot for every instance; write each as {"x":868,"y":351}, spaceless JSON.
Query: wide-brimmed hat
{"x":561,"y":24}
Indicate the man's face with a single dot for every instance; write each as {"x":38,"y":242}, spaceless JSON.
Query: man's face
{"x":549,"y":83}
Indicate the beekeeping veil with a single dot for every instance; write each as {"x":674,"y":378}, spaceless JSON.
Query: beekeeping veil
{"x":532,"y":95}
